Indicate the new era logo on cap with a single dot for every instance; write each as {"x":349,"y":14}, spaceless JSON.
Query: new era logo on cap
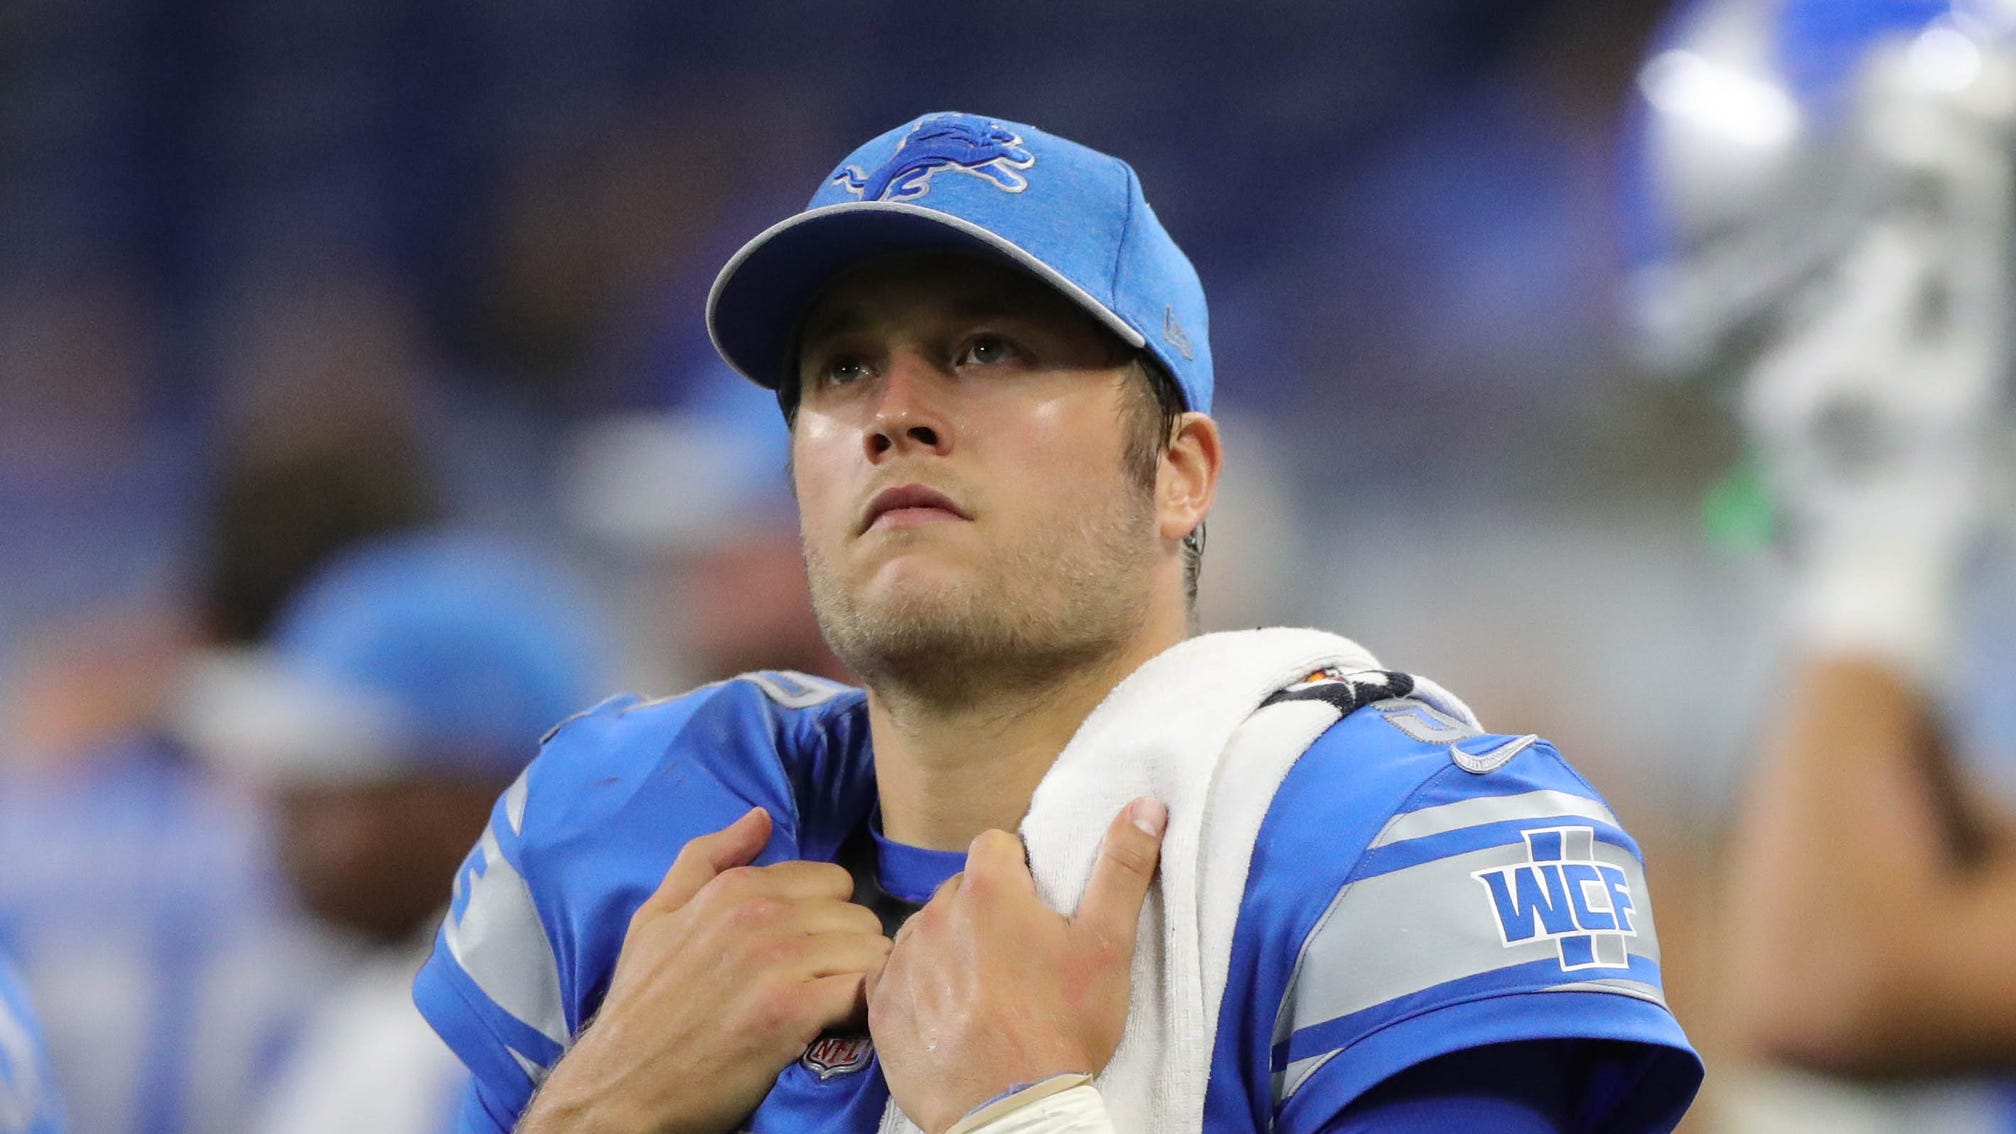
{"x":1071,"y":216}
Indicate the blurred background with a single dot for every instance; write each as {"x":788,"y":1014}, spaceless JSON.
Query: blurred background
{"x":281,"y":279}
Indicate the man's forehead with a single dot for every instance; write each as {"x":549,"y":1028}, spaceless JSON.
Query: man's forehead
{"x":953,"y":284}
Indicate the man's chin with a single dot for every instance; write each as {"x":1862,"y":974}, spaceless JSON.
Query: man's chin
{"x":903,"y":619}
{"x":913,"y":578}
{"x":916,"y":607}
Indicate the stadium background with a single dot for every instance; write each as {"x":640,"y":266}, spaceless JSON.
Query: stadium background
{"x":481,"y":235}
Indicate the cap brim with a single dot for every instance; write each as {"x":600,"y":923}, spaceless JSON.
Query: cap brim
{"x":762,"y":292}
{"x":245,"y":713}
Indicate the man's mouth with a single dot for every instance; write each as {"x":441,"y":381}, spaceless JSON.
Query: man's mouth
{"x":908,"y":505}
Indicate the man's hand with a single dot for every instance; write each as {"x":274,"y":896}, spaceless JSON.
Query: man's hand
{"x":726,"y":973}
{"x":987,"y":987}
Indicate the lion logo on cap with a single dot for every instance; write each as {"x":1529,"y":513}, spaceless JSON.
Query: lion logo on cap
{"x":988,"y":151}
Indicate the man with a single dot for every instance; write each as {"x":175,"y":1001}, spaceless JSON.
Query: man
{"x":994,"y":364}
{"x":1829,"y":191}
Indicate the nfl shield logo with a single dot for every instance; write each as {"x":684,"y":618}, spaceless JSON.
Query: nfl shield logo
{"x":837,"y":1055}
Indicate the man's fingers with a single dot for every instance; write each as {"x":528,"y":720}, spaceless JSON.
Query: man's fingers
{"x":997,"y":857}
{"x":813,"y":916}
{"x":837,"y":1001}
{"x":872,"y":980}
{"x":699,"y":861}
{"x":1126,"y":867}
{"x":798,"y":879}
{"x":837,"y":954}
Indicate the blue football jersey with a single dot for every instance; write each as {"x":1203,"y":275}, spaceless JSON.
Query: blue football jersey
{"x":27,"y":1090}
{"x":1416,"y":890}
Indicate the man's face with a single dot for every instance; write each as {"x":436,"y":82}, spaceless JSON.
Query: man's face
{"x":958,"y":455}
{"x":376,"y":858}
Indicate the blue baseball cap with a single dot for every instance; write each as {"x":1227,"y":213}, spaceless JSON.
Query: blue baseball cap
{"x":1069,"y":215}
{"x":435,"y":652}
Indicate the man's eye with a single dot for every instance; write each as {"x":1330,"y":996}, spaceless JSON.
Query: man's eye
{"x":989,"y":350}
{"x":842,"y":371}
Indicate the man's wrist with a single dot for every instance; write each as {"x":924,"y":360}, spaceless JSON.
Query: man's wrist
{"x":564,"y":1104}
{"x":1060,"y":1104}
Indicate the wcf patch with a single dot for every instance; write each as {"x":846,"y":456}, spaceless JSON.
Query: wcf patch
{"x":1564,"y":895}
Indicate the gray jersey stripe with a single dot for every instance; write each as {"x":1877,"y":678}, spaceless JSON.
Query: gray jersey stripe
{"x":1394,"y":934}
{"x":500,"y":943}
{"x":1490,"y":809}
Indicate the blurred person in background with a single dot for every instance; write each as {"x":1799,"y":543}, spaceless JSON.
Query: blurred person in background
{"x":1826,"y":206}
{"x":693,"y":509}
{"x":138,"y":891}
{"x":28,"y":1103}
{"x":403,"y":688}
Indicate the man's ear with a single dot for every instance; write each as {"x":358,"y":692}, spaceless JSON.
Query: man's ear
{"x":1187,"y":478}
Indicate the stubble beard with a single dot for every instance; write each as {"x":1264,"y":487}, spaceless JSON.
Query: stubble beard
{"x":1067,"y":598}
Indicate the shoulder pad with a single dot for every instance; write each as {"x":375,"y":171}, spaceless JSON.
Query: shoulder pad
{"x":1412,"y":870}
{"x":784,"y":688}
{"x":1389,"y":695}
{"x":762,"y":736}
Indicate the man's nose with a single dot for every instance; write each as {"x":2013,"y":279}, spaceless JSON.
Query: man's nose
{"x":909,"y":409}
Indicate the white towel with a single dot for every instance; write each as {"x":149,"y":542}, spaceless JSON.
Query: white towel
{"x":1167,"y":731}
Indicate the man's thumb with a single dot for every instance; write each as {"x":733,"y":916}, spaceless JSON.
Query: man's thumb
{"x":1126,"y":867}
{"x":699,"y":861}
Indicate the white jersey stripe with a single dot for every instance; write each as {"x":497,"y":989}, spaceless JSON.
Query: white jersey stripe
{"x":499,"y":941}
